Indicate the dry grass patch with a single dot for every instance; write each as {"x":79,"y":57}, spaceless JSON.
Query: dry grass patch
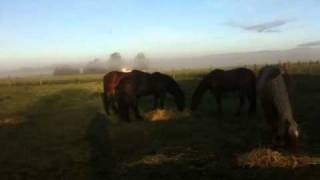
{"x":157,"y":159}
{"x":267,"y":158}
{"x":163,"y":115}
{"x":10,"y":121}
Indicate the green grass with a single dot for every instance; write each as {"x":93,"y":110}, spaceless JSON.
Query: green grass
{"x":61,"y":132}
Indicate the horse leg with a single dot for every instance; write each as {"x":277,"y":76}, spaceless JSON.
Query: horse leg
{"x":241,"y":102}
{"x":124,"y":109}
{"x":253,"y":102}
{"x":136,"y":110}
{"x":124,"y":113}
{"x":106,"y":103}
{"x":114,"y":106}
{"x":219,"y":103}
{"x":162,"y":100}
{"x":155,"y":102}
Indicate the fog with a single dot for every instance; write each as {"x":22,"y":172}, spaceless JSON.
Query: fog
{"x":44,"y":65}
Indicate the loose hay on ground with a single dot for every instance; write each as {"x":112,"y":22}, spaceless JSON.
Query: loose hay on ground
{"x":162,"y":115}
{"x":267,"y":158}
{"x":11,"y":121}
{"x":156,"y":159}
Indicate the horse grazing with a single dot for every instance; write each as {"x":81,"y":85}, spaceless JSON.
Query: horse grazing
{"x":272,"y":88}
{"x":138,"y":84}
{"x":110,"y":82}
{"x":219,"y":81}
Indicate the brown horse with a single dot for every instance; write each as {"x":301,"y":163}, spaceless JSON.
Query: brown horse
{"x":138,"y":84}
{"x":110,"y":82}
{"x":272,"y":88}
{"x":218,"y":81}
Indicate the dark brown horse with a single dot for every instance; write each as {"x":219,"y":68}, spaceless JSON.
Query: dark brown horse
{"x":110,"y":82}
{"x":138,"y":84}
{"x":218,"y":81}
{"x":272,"y":87}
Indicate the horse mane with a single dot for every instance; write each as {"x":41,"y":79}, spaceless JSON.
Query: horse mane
{"x":174,"y":87}
{"x":268,"y":73}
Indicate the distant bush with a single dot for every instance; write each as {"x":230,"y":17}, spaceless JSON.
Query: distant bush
{"x":141,"y":62}
{"x":60,"y":71}
{"x":94,"y":70}
{"x":95,"y":66}
{"x":115,"y":62}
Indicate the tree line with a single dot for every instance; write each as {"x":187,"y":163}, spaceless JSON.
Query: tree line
{"x":114,"y":63}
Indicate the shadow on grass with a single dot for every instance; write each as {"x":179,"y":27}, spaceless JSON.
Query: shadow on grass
{"x":101,"y":157}
{"x":52,"y":142}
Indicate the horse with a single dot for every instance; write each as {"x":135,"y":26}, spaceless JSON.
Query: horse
{"x":110,"y":82}
{"x":272,"y":88}
{"x":138,"y":84}
{"x":220,"y":81}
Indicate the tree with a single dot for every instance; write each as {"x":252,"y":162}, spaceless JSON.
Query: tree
{"x":115,"y":61}
{"x":63,"y":71}
{"x":141,"y":62}
{"x":95,"y":66}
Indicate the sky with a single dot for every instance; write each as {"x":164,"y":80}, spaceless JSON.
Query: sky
{"x":52,"y":31}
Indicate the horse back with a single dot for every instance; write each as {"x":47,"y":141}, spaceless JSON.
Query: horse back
{"x":135,"y":83}
{"x":232,"y":79}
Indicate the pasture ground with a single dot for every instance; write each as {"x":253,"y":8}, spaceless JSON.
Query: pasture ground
{"x":61,"y":132}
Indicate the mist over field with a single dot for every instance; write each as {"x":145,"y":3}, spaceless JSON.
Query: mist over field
{"x":166,"y":63}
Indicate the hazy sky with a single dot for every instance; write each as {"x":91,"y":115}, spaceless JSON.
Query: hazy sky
{"x":46,"y":31}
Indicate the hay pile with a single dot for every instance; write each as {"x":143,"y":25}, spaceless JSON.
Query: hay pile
{"x":267,"y":158}
{"x":162,"y":115}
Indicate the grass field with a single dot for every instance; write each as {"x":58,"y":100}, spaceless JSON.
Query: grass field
{"x":60,"y":131}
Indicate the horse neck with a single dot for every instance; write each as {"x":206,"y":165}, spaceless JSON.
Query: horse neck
{"x":202,"y":88}
{"x":174,"y":88}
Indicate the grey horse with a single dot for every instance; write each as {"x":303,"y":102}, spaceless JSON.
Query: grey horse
{"x":272,"y":89}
